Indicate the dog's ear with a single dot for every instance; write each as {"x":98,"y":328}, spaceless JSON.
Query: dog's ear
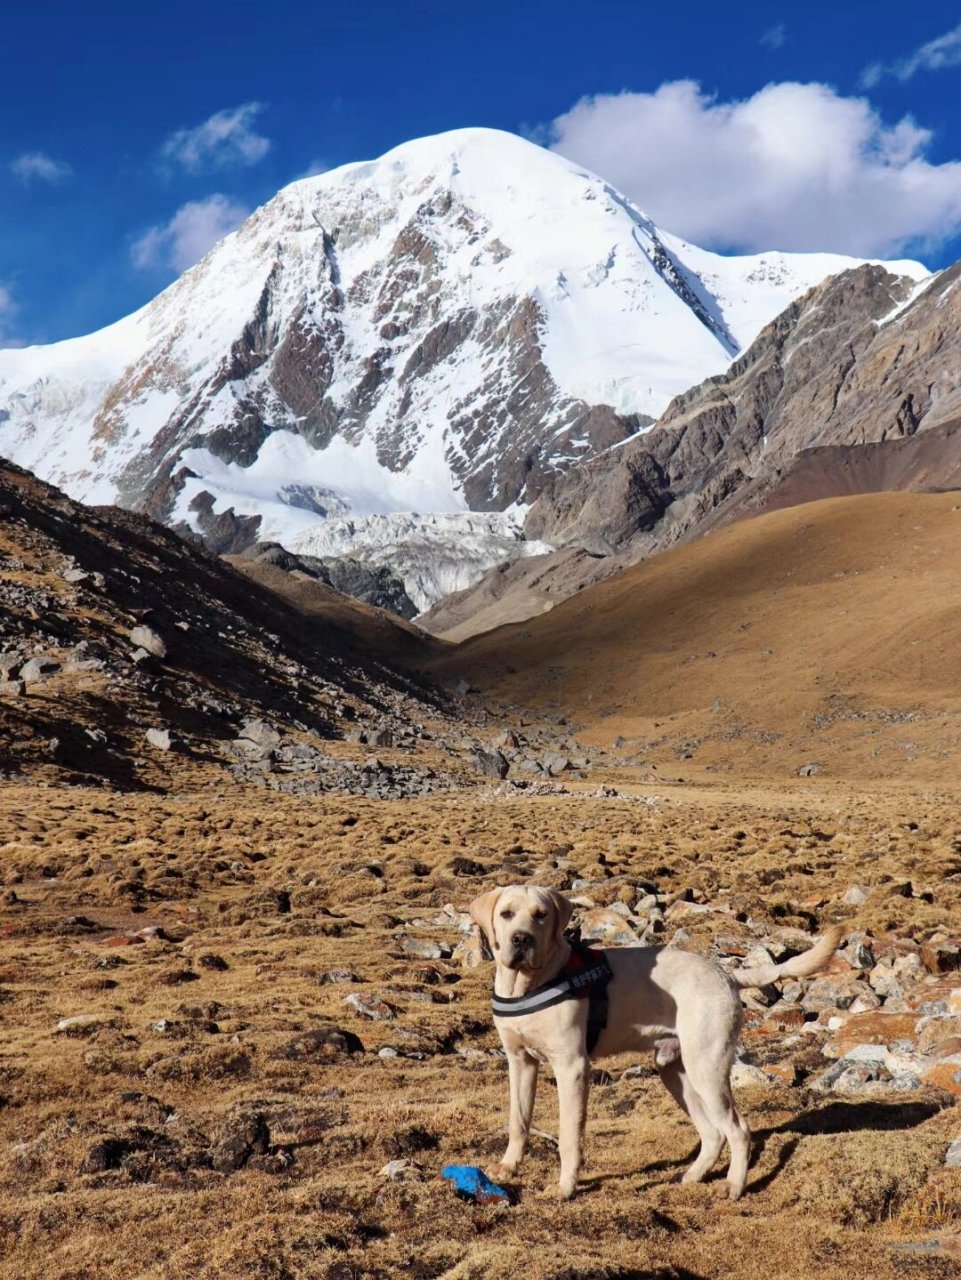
{"x":482,"y":913}
{"x":563,"y":910}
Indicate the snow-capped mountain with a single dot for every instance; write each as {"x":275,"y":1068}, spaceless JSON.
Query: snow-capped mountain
{"x":440,"y":330}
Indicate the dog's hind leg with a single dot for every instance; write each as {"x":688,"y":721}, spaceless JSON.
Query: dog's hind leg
{"x":711,"y":1077}
{"x":678,"y":1084}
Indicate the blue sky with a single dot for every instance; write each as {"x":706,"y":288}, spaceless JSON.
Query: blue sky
{"x":132,"y":133}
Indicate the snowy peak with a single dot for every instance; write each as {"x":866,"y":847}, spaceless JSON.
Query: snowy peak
{"x":441,"y":330}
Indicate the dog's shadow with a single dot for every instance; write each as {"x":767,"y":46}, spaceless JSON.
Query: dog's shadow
{"x":834,"y":1117}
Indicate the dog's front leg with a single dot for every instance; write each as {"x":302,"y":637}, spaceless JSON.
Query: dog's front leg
{"x":522,"y":1073}
{"x":572,"y":1075}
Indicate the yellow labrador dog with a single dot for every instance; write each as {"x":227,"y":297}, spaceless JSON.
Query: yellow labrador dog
{"x":683,"y":1006}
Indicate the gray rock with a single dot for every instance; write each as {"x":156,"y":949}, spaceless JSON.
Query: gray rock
{"x":370,"y":1007}
{"x":146,"y":638}
{"x":38,"y":669}
{"x":79,"y":1024}
{"x":260,"y":733}
{"x":553,"y":763}
{"x":808,"y":770}
{"x":856,"y":896}
{"x":424,"y":950}
{"x":10,"y":664}
{"x":952,"y":1157}
{"x":490,"y":764}
{"x":13,"y":688}
{"x":159,"y":738}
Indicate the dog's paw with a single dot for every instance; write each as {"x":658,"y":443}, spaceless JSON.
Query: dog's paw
{"x":502,"y":1172}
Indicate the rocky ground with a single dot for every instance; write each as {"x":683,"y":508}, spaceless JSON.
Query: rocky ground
{"x":243,"y":1033}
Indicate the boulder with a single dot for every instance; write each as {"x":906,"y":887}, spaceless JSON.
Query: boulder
{"x":38,"y":669}
{"x":261,"y":733}
{"x":490,"y":764}
{"x":146,"y":638}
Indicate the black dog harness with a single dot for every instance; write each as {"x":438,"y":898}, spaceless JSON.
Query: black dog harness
{"x":585,"y":975}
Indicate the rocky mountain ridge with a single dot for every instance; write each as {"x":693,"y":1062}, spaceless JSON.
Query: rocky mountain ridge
{"x":445,"y":329}
{"x":854,"y":388}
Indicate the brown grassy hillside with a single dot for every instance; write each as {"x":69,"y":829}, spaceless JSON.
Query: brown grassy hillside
{"x":828,"y":633}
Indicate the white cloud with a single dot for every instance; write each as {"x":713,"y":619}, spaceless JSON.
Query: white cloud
{"x":8,"y":312}
{"x":226,"y":138}
{"x":314,"y":169}
{"x":36,"y":165}
{"x":191,"y":232}
{"x":944,"y":51}
{"x":774,"y":37}
{"x":796,"y":166}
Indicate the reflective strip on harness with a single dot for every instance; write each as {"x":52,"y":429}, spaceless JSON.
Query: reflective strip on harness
{"x":571,"y":988}
{"x":577,"y":983}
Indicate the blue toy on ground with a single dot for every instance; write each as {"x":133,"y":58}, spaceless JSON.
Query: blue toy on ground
{"x":474,"y":1184}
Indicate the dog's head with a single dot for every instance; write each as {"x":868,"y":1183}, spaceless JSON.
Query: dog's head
{"x":523,"y":925}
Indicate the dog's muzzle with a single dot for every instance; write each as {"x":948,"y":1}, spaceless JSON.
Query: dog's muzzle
{"x":522,"y":951}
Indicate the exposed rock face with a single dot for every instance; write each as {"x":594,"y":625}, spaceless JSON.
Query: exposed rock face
{"x":373,"y":584}
{"x":452,"y":326}
{"x":835,"y":368}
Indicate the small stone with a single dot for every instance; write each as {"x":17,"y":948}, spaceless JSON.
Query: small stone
{"x":808,"y":770}
{"x":603,"y":925}
{"x":940,"y":957}
{"x":333,"y":976}
{"x":323,"y":1043}
{"x":744,"y":1075}
{"x":38,"y":669}
{"x":146,"y":638}
{"x":856,"y":896}
{"x":398,"y":1170}
{"x":159,"y":738}
{"x":79,"y":1024}
{"x":369,"y":1007}
{"x":866,"y":1053}
{"x":952,"y":1157}
{"x":387,"y":1052}
{"x":13,"y":688}
{"x":424,"y":950}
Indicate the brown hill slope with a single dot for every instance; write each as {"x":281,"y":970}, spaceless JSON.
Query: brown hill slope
{"x":77,"y":582}
{"x":827,"y":634}
{"x":373,"y":630}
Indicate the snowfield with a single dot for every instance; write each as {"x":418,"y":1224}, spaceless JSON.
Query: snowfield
{"x":436,"y":331}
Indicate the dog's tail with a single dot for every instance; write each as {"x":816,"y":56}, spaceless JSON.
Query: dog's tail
{"x":801,"y":966}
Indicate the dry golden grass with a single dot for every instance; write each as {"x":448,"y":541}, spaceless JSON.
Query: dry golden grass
{"x":827,"y":633}
{"x":836,"y":1187}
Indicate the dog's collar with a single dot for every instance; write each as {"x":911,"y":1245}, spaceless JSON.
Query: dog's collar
{"x":586,"y":974}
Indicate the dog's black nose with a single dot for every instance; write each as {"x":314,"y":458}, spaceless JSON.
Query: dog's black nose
{"x":522,"y":940}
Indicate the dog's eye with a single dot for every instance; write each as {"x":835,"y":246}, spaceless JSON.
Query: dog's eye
{"x":539,"y":915}
{"x":507,"y":915}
